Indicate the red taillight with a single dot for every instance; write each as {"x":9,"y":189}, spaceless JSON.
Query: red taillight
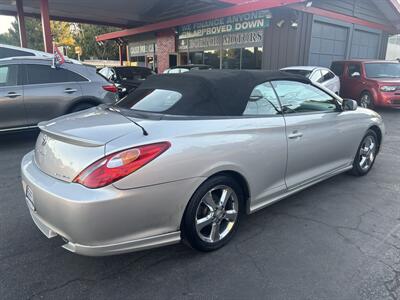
{"x":118,"y":165}
{"x":110,"y":88}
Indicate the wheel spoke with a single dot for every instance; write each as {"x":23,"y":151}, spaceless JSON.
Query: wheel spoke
{"x":230,"y":215}
{"x":363,"y":162}
{"x":364,"y":150}
{"x":203,"y":222}
{"x":371,"y":147}
{"x":226,"y":194}
{"x":214,"y":234}
{"x":209,"y":201}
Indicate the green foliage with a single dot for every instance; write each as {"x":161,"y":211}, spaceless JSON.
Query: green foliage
{"x":86,"y":39}
{"x":65,"y":34}
{"x":34,"y":34}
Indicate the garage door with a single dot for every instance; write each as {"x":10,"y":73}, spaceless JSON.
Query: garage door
{"x":364,"y":44}
{"x":328,"y":43}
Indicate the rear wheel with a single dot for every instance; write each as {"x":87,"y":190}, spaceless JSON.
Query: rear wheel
{"x":212,"y":215}
{"x":366,"y":154}
{"x":366,"y":100}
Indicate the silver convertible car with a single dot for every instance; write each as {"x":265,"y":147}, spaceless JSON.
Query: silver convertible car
{"x":185,"y":155}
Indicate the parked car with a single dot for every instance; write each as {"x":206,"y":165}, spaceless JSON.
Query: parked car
{"x":184,"y":155}
{"x":371,"y":83}
{"x":321,"y":75}
{"x":186,"y":68}
{"x":7,"y":51}
{"x":126,"y":78}
{"x":31,"y":91}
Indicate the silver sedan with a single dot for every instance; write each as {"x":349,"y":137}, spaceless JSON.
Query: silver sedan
{"x":321,"y":75}
{"x":185,"y":155}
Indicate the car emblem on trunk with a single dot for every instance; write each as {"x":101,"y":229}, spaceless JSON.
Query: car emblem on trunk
{"x":44,"y":140}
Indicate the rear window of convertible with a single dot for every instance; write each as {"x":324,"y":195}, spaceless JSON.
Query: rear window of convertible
{"x":150,"y":100}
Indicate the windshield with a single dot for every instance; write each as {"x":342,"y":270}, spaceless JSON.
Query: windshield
{"x":382,"y":70}
{"x":150,"y":100}
{"x":304,"y":73}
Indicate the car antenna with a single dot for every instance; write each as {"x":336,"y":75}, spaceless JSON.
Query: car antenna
{"x":136,"y":123}
{"x":141,"y":127}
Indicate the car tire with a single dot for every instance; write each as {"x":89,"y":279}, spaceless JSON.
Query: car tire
{"x":81,"y":106}
{"x":366,"y":154}
{"x":208,"y":224}
{"x":367,"y":100}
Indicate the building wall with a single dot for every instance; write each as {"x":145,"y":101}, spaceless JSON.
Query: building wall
{"x":286,"y":45}
{"x":166,"y":44}
{"x":362,"y":9}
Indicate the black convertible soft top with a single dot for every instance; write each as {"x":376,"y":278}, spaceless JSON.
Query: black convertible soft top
{"x":213,"y":92}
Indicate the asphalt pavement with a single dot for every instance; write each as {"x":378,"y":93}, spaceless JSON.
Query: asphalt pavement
{"x":339,"y":239}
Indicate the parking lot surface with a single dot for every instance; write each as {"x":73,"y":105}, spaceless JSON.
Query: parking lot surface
{"x":337,"y":240}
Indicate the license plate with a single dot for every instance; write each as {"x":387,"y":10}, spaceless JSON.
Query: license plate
{"x":29,"y":197}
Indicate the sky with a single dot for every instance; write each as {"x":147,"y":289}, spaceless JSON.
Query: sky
{"x":5,"y":23}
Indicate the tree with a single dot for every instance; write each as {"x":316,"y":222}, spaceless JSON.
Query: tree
{"x":65,"y":34}
{"x":86,"y":39}
{"x":34,"y":34}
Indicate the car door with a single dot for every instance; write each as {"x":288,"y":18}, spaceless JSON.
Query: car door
{"x":48,"y":91}
{"x":352,"y":76}
{"x":12,"y":110}
{"x":317,"y":143}
{"x":267,"y":149}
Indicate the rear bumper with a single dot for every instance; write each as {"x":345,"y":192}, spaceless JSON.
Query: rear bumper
{"x":106,"y":221}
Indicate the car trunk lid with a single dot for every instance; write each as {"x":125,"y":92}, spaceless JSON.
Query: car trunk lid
{"x":68,"y":144}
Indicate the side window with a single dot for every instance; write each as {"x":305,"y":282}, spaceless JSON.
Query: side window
{"x":337,"y":68}
{"x":39,"y":74}
{"x":263,"y":101}
{"x":353,"y":68}
{"x":317,"y":76}
{"x":8,"y":75}
{"x":105,"y":72}
{"x":297,"y":97}
{"x":326,"y":75}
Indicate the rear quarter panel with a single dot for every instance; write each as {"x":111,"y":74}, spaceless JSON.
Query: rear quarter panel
{"x":256,"y":148}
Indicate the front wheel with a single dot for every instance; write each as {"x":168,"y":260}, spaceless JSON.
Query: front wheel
{"x":367,"y":101}
{"x":212,"y":215}
{"x":366,"y":154}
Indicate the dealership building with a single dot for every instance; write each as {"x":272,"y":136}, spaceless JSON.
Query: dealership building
{"x":239,"y":34}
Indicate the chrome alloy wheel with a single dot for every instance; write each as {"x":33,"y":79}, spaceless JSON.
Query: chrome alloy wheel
{"x":216,"y":214}
{"x":367,"y":153}
{"x":365,"y":101}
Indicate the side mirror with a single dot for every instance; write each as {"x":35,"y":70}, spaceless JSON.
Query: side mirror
{"x":349,"y":104}
{"x":355,"y":74}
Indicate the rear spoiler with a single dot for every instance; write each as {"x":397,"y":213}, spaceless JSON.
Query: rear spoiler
{"x":68,"y":137}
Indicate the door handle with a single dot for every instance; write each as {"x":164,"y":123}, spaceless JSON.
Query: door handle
{"x":70,"y":91}
{"x":13,"y":95}
{"x":295,"y":135}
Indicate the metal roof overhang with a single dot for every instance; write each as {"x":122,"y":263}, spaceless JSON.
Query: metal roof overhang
{"x":119,"y":13}
{"x":238,"y":7}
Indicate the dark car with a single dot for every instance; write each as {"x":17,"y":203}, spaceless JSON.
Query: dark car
{"x":186,"y":68}
{"x":126,"y":78}
{"x":371,"y":82}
